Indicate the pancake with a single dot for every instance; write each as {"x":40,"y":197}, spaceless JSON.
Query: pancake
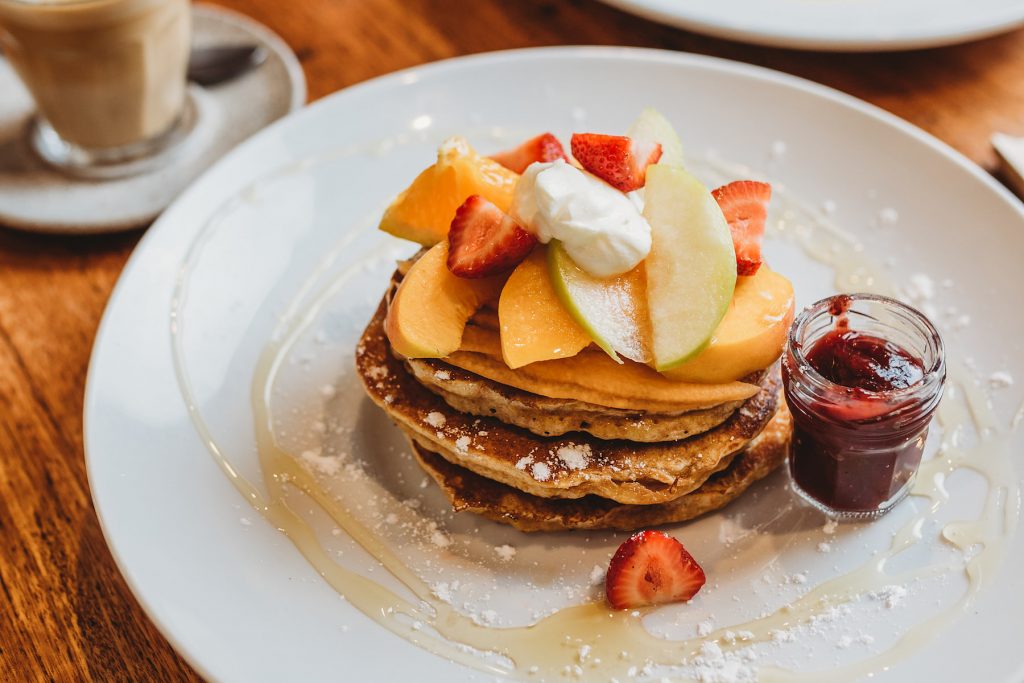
{"x":574,"y":378}
{"x":569,"y":466}
{"x":545,"y":416}
{"x":469,"y":492}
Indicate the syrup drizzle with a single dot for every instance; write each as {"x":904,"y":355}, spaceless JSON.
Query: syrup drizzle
{"x":618,"y":642}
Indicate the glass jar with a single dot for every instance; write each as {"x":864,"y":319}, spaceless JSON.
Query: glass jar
{"x":108,"y":78}
{"x":857,"y":444}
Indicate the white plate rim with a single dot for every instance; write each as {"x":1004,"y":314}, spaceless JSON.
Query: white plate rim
{"x":974,"y":29}
{"x":582,"y":52}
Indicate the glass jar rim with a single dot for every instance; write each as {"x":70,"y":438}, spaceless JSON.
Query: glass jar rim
{"x":934,"y":373}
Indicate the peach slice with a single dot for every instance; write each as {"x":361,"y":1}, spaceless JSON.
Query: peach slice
{"x":423,"y":212}
{"x":751,"y":335}
{"x":429,"y":311}
{"x":534,"y":324}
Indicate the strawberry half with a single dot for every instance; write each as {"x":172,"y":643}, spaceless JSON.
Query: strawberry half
{"x":650,"y":568}
{"x":745,"y":205}
{"x":544,"y":147}
{"x":616,"y":159}
{"x":484,"y":240}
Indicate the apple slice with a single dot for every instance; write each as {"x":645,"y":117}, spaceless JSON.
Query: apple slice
{"x":612,"y":310}
{"x":651,"y":126}
{"x":534,"y":324}
{"x":691,"y":270}
{"x":751,"y":335}
{"x":429,"y":311}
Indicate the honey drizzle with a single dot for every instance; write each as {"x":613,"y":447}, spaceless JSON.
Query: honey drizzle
{"x":618,"y":641}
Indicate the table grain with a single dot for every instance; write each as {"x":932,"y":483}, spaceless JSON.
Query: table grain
{"x":65,"y":612}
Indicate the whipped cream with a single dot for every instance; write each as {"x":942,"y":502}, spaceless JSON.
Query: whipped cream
{"x":602,"y":229}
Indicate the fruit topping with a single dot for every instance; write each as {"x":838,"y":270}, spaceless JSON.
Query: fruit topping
{"x":544,"y":147}
{"x":535,"y":325}
{"x":484,"y":240}
{"x":651,"y":568}
{"x":691,"y":270}
{"x":428,"y":314}
{"x":751,"y":335}
{"x":423,"y":211}
{"x":652,"y":126}
{"x":616,"y":159}
{"x":612,"y":310}
{"x":745,"y":205}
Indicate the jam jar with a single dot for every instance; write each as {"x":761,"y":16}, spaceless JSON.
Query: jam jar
{"x":863,"y":375}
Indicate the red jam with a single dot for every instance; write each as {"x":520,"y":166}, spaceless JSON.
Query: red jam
{"x":861,"y":402}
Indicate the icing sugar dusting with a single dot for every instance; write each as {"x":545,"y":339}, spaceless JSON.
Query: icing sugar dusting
{"x":540,"y":471}
{"x":574,"y":456}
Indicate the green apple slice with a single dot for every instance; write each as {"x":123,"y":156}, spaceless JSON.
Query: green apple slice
{"x":691,"y":270}
{"x":651,"y":126}
{"x":612,"y":310}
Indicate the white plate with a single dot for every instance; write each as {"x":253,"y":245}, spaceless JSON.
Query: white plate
{"x":840,"y":25}
{"x":235,"y":597}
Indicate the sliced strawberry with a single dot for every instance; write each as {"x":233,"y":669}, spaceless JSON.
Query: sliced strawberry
{"x":545,"y":147}
{"x":619,"y":161}
{"x":484,"y":240}
{"x":745,"y":205}
{"x":650,"y":568}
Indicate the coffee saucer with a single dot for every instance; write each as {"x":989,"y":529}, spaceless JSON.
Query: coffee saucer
{"x":35,"y":197}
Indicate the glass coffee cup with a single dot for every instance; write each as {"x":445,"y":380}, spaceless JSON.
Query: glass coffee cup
{"x":107,"y":76}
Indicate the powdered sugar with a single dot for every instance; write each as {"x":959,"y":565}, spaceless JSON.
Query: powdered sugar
{"x":435,"y":420}
{"x":1000,"y":379}
{"x":713,"y":665}
{"x":440,"y":539}
{"x":505,"y":552}
{"x":324,"y":464}
{"x":891,"y":596}
{"x":888,"y":216}
{"x":541,"y":471}
{"x":574,"y":456}
{"x":377,"y":372}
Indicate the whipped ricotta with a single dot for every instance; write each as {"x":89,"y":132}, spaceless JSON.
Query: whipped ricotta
{"x":602,"y":229}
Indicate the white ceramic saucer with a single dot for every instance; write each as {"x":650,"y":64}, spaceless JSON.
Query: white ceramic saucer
{"x":35,"y":197}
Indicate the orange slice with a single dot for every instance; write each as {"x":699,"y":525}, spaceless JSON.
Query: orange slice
{"x":423,"y":212}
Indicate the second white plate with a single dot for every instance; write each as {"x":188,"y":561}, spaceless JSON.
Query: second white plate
{"x":839,"y":25}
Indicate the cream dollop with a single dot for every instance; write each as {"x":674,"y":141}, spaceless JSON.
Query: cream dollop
{"x":602,"y":229}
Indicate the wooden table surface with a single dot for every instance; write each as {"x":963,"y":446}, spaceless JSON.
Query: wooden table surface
{"x":65,"y":612}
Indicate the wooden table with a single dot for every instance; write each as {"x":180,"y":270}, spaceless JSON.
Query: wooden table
{"x":65,"y":612}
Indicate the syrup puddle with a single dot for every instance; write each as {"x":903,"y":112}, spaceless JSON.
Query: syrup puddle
{"x":588,"y":639}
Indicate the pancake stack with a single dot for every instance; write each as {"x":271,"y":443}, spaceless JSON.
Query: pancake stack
{"x":547,"y":460}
